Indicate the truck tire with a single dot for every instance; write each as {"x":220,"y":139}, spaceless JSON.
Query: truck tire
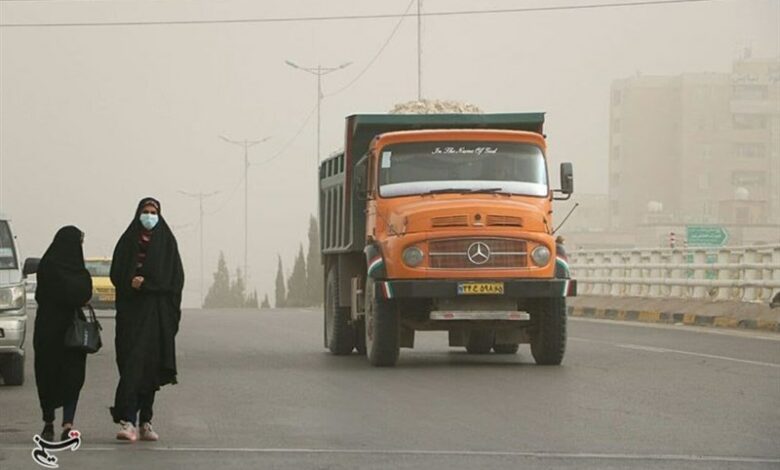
{"x":506,"y":348}
{"x":339,"y":333}
{"x":480,"y":342}
{"x":13,"y":369}
{"x":383,"y":330}
{"x":548,"y":331}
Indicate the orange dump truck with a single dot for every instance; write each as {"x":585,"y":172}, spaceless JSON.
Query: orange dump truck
{"x":443,"y":222}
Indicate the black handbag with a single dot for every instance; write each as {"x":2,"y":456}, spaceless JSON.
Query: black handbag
{"x":84,"y":335}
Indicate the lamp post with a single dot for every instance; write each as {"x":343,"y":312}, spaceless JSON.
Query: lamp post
{"x":246,"y":144}
{"x":200,"y":196}
{"x":319,"y":71}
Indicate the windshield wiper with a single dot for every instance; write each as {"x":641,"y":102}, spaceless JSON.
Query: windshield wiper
{"x":488,"y":190}
{"x":446,"y":191}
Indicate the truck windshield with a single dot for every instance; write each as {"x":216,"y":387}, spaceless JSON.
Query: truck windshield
{"x":98,"y":268}
{"x":470,"y":166}
{"x":7,"y":250}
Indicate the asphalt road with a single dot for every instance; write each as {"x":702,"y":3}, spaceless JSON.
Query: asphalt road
{"x":257,"y":390}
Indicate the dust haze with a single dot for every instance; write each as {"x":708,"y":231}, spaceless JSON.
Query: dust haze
{"x":94,"y":118}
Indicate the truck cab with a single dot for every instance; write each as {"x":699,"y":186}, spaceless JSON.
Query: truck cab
{"x":443,"y":222}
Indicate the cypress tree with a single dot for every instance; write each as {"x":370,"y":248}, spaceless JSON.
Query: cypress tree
{"x":218,"y":295}
{"x":296,"y":284}
{"x":266,"y":303}
{"x":314,"y":272}
{"x":281,"y":294}
{"x":237,"y":291}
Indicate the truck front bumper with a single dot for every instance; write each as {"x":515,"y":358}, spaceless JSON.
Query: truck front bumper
{"x":439,"y":289}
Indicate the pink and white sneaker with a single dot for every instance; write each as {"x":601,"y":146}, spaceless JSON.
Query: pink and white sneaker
{"x":147,"y":433}
{"x":127,"y":432}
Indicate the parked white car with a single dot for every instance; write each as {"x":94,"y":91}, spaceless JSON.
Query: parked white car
{"x":13,"y":308}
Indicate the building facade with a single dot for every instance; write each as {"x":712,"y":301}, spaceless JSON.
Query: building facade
{"x":696,"y":148}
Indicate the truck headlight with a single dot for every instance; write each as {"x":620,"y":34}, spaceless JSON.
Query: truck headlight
{"x":540,"y":255}
{"x":413,"y":256}
{"x":12,"y":298}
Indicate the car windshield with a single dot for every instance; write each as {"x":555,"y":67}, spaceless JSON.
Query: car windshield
{"x":467,"y":166}
{"x":99,"y":268}
{"x":7,"y":250}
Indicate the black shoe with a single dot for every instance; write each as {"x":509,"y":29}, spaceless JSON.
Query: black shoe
{"x":65,"y":434}
{"x":48,"y":432}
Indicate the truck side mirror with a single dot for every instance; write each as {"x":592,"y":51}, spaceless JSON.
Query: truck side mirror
{"x":30,"y":266}
{"x":567,"y":181}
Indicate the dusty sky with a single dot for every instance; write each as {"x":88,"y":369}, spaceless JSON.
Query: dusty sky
{"x":92,"y":119}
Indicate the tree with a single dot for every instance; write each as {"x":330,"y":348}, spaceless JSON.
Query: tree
{"x":218,"y":295}
{"x":314,"y":273}
{"x":237,"y":289}
{"x":251,"y":301}
{"x":266,"y":303}
{"x":296,"y":284}
{"x":281,"y":293}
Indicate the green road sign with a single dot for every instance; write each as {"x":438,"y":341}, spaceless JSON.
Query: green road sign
{"x":706,"y":235}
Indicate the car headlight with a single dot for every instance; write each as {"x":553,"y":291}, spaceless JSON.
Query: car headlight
{"x":12,"y":298}
{"x":540,"y":255}
{"x":413,"y":256}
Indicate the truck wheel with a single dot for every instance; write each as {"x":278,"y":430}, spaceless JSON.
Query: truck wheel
{"x":383,"y":330}
{"x":339,"y":334}
{"x":13,"y":369}
{"x":506,"y":348}
{"x":548,"y":333}
{"x":480,"y":342}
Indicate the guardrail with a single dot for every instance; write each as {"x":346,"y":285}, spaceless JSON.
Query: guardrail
{"x":743,"y":273}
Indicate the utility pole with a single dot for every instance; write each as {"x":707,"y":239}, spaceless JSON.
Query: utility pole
{"x":246,"y":144}
{"x":319,"y":71}
{"x":419,"y":50}
{"x":200,"y":197}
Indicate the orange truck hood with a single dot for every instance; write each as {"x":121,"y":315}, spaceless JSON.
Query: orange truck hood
{"x":430,"y":213}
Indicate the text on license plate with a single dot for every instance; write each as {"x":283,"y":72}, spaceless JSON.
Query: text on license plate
{"x":480,"y":288}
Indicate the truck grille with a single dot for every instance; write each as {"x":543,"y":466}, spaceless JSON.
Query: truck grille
{"x":453,"y":253}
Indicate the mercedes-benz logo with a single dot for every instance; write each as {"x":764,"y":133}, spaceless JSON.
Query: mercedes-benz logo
{"x":478,"y":253}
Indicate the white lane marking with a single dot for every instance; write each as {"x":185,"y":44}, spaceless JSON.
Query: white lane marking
{"x":638,"y":347}
{"x":455,"y":453}
{"x":710,"y":330}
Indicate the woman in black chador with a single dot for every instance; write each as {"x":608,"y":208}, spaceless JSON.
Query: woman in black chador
{"x":64,"y":285}
{"x":147,"y":272}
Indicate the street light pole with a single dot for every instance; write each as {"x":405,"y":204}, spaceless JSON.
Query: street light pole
{"x":200,"y":197}
{"x":319,"y":71}
{"x":246,"y":144}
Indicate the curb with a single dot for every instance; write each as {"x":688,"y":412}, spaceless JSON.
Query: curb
{"x":690,"y":319}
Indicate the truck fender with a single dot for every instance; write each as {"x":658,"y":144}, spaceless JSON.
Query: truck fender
{"x":561,"y":262}
{"x":375,"y":262}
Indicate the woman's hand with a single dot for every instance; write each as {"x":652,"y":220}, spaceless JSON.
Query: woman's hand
{"x":137,"y":281}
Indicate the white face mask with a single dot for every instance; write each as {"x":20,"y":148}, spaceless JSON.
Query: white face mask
{"x":149,"y":221}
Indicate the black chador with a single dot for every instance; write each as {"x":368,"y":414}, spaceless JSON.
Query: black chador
{"x":147,"y":319}
{"x":64,"y":285}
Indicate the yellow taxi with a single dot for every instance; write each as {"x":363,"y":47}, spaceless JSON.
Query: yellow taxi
{"x":103,"y":292}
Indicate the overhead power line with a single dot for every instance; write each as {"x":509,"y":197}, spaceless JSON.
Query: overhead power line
{"x":378,"y":53}
{"x":300,"y":19}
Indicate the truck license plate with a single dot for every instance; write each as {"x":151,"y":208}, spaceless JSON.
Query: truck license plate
{"x":480,"y":288}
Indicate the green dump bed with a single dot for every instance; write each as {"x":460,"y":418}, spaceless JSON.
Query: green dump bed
{"x":342,"y":214}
